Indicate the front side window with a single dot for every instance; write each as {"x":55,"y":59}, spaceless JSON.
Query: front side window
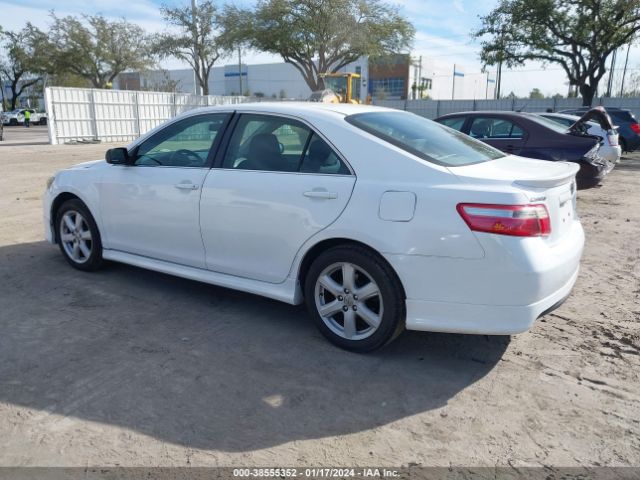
{"x":185,"y":143}
{"x":494,"y":128}
{"x":278,"y":144}
{"x":425,"y":138}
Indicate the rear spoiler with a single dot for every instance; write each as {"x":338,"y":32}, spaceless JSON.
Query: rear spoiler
{"x":598,"y":115}
{"x":553,"y":180}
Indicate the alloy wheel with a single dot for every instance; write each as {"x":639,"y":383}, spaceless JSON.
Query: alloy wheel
{"x":75,"y":236}
{"x":349,"y":301}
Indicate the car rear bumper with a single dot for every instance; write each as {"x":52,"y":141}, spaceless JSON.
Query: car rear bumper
{"x":591,"y":174}
{"x":502,"y":293}
{"x":482,"y":319}
{"x":611,"y":154}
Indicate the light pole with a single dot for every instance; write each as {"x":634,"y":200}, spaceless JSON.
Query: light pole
{"x":240,"y":69}
{"x":194,"y":18}
{"x":624,"y":72}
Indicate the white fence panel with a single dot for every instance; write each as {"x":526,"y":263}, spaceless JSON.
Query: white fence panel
{"x":83,"y":114}
{"x":154,"y":108}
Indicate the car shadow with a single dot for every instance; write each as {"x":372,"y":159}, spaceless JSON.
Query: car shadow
{"x":203,"y":366}
{"x":628,"y":162}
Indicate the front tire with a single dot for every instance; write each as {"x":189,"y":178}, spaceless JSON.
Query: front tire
{"x":355,"y":298}
{"x":78,"y":236}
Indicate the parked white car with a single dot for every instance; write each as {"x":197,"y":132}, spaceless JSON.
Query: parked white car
{"x":378,"y":219}
{"x":16,"y":117}
{"x":609,"y":145}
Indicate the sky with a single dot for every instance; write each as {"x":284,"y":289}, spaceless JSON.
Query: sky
{"x":442,"y":32}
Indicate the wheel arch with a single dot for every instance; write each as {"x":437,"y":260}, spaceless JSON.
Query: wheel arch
{"x":322,"y":246}
{"x":55,"y":206}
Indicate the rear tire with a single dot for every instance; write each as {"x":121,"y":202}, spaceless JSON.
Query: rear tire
{"x":43,"y":121}
{"x":355,"y":298}
{"x":78,"y":236}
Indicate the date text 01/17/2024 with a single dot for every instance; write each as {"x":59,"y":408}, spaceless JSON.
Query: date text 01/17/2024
{"x":315,"y":472}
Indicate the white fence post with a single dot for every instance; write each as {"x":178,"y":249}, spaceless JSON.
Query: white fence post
{"x":49,"y":107}
{"x":137,"y":112}
{"x":94,"y":115}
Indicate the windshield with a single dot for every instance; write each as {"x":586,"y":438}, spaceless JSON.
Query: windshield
{"x":424,"y":138}
{"x":337,"y":84}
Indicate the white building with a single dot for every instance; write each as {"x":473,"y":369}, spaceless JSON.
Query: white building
{"x":392,"y":77}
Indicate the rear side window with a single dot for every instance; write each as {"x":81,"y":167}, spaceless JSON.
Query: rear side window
{"x":425,"y":138}
{"x":546,"y":122}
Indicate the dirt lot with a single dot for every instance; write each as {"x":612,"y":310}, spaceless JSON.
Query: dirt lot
{"x":129,"y":367}
{"x":21,"y":136}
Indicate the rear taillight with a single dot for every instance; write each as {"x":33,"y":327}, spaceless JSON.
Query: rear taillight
{"x":636,"y":127}
{"x":613,"y":139}
{"x":516,"y":220}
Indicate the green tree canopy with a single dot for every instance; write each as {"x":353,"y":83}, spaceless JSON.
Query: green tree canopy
{"x":319,"y":36}
{"x":536,"y":94}
{"x":197,"y":41}
{"x":578,"y":35}
{"x":98,"y":49}
{"x":24,"y":60}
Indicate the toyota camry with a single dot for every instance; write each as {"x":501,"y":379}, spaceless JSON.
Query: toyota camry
{"x":379,"y":220}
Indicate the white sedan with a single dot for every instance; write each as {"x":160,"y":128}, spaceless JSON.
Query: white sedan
{"x":378,"y":219}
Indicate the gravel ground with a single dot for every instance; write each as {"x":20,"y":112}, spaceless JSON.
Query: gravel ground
{"x":127,"y":367}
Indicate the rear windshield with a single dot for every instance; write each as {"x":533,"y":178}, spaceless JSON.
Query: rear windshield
{"x":424,"y":138}
{"x":548,"y":123}
{"x":623,"y":116}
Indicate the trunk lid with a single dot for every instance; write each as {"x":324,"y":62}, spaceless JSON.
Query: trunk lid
{"x":542,"y":182}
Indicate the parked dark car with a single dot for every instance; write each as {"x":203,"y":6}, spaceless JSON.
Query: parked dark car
{"x":628,"y":126}
{"x":532,"y":136}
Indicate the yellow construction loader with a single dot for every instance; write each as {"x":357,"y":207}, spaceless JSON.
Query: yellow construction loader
{"x":339,"y":88}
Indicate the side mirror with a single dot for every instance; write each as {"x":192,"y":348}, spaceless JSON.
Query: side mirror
{"x":117,"y":156}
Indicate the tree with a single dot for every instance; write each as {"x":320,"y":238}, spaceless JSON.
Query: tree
{"x":578,"y":35}
{"x":198,"y":40}
{"x":536,"y":94}
{"x":319,"y":36}
{"x":24,"y":61}
{"x":98,"y":49}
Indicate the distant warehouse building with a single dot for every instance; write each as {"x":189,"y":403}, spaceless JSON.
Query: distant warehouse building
{"x":393,"y":77}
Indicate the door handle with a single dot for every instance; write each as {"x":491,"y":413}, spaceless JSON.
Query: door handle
{"x":321,"y":194}
{"x":186,"y":186}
